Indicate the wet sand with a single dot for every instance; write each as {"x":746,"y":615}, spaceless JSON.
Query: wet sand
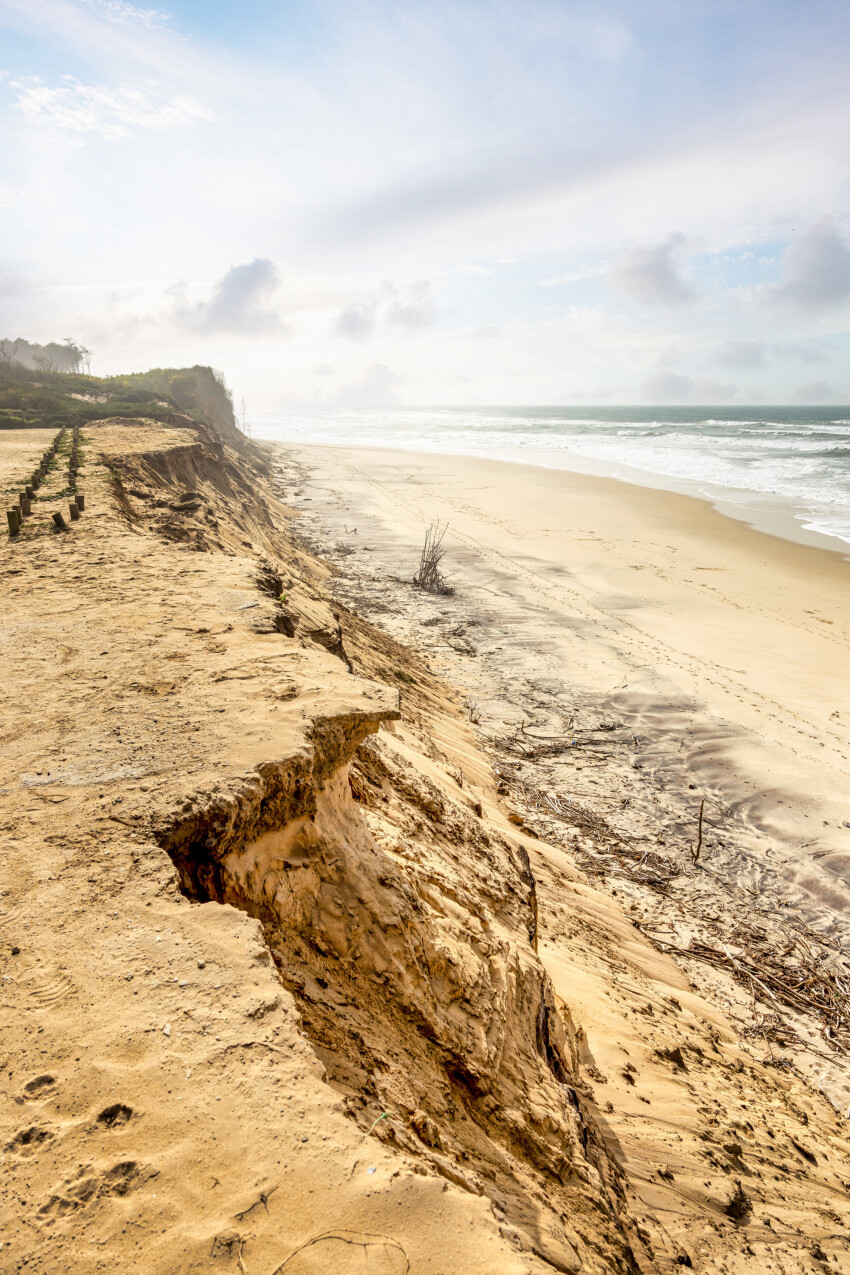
{"x":717,"y":651}
{"x":652,"y":601}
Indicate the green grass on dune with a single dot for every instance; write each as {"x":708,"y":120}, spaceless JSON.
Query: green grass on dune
{"x":30,"y":398}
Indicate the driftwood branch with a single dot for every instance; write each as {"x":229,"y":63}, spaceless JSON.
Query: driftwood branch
{"x":430,"y":576}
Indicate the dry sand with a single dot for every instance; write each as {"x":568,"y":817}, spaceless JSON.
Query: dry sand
{"x":711,"y":655}
{"x":288,"y":984}
{"x":722,"y":643}
{"x":659,"y":607}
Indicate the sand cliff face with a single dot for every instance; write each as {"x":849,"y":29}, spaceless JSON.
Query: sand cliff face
{"x":274,"y":965}
{"x":412,"y":960}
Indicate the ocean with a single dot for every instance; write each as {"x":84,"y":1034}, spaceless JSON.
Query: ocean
{"x":782,"y":468}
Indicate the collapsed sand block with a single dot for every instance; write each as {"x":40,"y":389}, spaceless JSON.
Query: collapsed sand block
{"x":60,"y":522}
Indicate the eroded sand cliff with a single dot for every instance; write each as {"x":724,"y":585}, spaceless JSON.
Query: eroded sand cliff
{"x":283,"y":988}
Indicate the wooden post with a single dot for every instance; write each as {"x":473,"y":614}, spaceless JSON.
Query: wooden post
{"x":35,"y":482}
{"x":695,"y":853}
{"x":81,"y":501}
{"x":14,"y":517}
{"x":75,"y":513}
{"x":60,"y":522}
{"x":26,"y":507}
{"x":29,"y":491}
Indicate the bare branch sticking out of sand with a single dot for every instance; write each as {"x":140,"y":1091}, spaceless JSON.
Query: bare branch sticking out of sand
{"x":430,"y":576}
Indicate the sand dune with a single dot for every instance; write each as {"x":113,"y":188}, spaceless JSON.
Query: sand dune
{"x":293,"y":979}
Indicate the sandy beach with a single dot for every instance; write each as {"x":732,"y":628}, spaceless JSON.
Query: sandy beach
{"x":718,"y":650}
{"x":325,"y":950}
{"x":725,"y":644}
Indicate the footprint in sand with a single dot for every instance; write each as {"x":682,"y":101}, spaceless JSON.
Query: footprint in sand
{"x":115,"y":1116}
{"x":90,"y":1184}
{"x":39,"y":1087}
{"x":48,"y":986}
{"x":28,"y":1141}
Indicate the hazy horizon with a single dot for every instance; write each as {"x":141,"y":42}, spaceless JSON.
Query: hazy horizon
{"x":466,"y":203}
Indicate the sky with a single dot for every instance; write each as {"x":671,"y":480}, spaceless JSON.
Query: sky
{"x":345,"y":203}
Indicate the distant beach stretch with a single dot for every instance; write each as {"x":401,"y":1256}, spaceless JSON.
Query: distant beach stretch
{"x":783,"y":469}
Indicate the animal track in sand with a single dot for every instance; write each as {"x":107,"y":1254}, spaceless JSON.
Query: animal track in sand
{"x":27,"y":1141}
{"x":115,"y":1116}
{"x":38,"y":1087}
{"x":75,"y":1193}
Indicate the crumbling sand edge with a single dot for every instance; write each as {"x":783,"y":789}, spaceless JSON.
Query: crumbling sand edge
{"x":394,"y":971}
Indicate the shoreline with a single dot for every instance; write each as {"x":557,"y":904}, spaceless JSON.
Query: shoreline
{"x":769,"y":513}
{"x":692,"y":657}
{"x":629,"y":549}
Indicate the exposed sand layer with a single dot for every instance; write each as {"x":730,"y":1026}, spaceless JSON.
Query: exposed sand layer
{"x":706,"y":638}
{"x":615,"y":716}
{"x":664,"y":610}
{"x":286,"y":987}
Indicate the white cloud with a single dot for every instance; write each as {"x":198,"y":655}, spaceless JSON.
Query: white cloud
{"x":409,"y":306}
{"x":814,"y":392}
{"x":356,"y":322}
{"x":651,"y":275}
{"x":413,"y":306}
{"x":376,"y":388}
{"x":707,"y":390}
{"x":671,"y":387}
{"x":444,"y":140}
{"x":571,"y":276}
{"x":120,"y":11}
{"x":238,"y":304}
{"x":741,"y":356}
{"x":817,"y":268}
{"x":110,"y":113}
{"x":799,"y":352}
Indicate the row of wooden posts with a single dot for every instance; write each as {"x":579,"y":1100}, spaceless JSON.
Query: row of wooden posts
{"x":23,"y":509}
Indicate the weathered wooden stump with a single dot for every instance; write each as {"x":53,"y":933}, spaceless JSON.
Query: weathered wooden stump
{"x":81,"y":501}
{"x":26,"y":507}
{"x":75,"y":512}
{"x":29,"y":491}
{"x":14,"y":517}
{"x":60,"y":522}
{"x":35,"y":482}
